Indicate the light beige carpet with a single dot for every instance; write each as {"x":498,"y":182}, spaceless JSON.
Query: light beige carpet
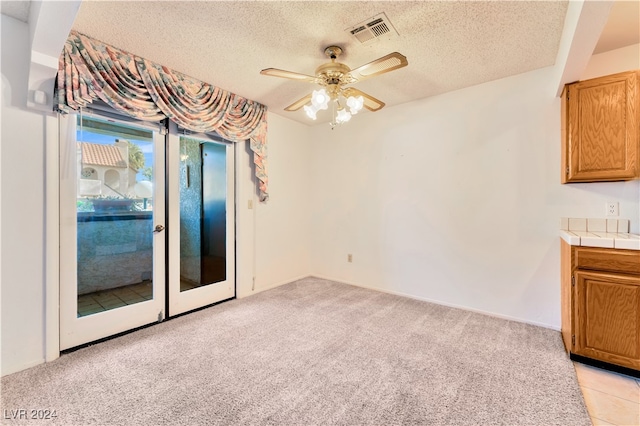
{"x":312,"y":352}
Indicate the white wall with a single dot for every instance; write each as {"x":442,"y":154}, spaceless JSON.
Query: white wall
{"x":22,"y":169}
{"x":455,"y":199}
{"x":282,"y":224}
{"x":623,"y":59}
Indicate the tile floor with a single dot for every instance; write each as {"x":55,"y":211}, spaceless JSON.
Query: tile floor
{"x":105,"y":300}
{"x":611,"y":398}
{"x":115,"y":298}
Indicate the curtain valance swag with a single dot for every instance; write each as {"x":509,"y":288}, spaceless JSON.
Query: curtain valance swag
{"x":89,"y":69}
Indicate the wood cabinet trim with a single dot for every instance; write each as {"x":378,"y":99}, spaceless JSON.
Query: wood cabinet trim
{"x":566,"y":306}
{"x":564,"y":137}
{"x":607,"y":260}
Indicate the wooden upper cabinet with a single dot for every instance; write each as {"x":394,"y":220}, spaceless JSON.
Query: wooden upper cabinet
{"x":600,"y":137}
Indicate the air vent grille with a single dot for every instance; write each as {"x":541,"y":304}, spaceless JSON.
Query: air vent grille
{"x":380,"y":29}
{"x":373,"y":29}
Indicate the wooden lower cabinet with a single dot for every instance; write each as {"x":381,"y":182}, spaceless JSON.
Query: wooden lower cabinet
{"x":601,"y":309}
{"x":607,"y":316}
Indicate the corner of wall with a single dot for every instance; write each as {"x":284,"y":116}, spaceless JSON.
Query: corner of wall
{"x":282,"y":225}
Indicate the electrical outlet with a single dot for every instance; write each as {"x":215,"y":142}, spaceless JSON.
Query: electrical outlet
{"x":350,"y":258}
{"x":250,"y":204}
{"x":612,"y":208}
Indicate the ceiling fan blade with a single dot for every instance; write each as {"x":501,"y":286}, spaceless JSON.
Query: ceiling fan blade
{"x":299,"y":103}
{"x":391,"y":62}
{"x":274,"y":72}
{"x":370,"y":103}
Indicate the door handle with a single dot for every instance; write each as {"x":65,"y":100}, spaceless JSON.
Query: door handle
{"x":158,"y":228}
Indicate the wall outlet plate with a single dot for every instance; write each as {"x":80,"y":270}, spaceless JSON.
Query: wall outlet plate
{"x":612,"y":208}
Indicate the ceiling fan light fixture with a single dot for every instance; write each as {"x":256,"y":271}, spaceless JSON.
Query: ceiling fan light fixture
{"x":320,"y":99}
{"x":355,"y":104}
{"x":311,"y":111}
{"x":342,"y":116}
{"x":333,"y":77}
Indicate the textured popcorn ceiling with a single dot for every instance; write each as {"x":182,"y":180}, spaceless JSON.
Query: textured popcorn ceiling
{"x":449,"y":45}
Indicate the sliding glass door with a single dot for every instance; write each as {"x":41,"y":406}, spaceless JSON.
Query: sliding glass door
{"x":201,"y":222}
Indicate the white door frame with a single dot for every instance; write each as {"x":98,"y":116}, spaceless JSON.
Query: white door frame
{"x":180,"y":302}
{"x":246,"y":201}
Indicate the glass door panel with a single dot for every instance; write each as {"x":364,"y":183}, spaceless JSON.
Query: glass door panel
{"x":202,"y":264}
{"x":111,"y":228}
{"x":115,"y":216}
{"x":202,"y":213}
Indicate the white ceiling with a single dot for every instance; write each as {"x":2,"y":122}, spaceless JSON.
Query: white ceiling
{"x":449,"y":45}
{"x":622,"y":27}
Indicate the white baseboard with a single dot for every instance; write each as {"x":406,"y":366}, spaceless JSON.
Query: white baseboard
{"x":15,"y":368}
{"x":262,"y":288}
{"x":438,"y":302}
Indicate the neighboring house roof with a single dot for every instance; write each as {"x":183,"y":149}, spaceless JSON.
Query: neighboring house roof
{"x":102,"y":155}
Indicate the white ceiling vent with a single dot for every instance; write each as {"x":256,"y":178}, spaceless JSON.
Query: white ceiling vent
{"x":373,"y":29}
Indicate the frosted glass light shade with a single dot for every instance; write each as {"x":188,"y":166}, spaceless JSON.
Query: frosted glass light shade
{"x":320,"y":99}
{"x":343,"y":116}
{"x":355,"y":104}
{"x":311,"y":111}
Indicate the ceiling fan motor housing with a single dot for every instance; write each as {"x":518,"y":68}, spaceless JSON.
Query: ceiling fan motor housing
{"x":333,"y":73}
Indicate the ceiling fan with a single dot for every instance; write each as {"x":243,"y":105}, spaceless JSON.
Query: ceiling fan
{"x":334,"y":77}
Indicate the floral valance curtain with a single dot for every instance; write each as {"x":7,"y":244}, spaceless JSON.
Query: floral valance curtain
{"x":90,"y":70}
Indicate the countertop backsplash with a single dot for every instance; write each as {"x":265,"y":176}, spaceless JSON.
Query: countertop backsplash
{"x":596,"y":232}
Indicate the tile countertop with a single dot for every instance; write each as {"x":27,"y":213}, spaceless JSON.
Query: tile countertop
{"x":607,"y":233}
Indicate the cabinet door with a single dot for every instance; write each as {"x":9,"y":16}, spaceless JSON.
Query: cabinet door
{"x":600,"y":129}
{"x":607,"y":317}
